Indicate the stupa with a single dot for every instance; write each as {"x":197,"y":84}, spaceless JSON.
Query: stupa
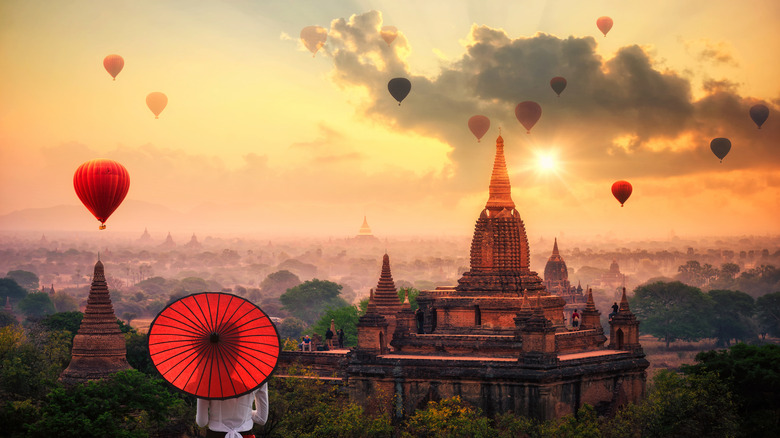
{"x":556,"y":280}
{"x":99,"y":348}
{"x":365,"y":235}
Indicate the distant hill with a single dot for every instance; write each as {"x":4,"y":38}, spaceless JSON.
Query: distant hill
{"x":131,"y":216}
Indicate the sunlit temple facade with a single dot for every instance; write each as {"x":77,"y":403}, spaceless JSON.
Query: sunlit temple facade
{"x":498,"y":339}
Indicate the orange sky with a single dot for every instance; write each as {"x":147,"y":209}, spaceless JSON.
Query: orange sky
{"x":261,"y":137}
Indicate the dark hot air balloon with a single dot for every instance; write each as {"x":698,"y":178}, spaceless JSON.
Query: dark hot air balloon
{"x":479,"y":125}
{"x":528,"y":113}
{"x":604,"y":24}
{"x":720,"y":147}
{"x":558,"y":84}
{"x":388,"y":34}
{"x":113,"y":64}
{"x":621,"y":190}
{"x":101,"y":185}
{"x":314,"y":37}
{"x":759,"y":113}
{"x":156,"y":102}
{"x":399,"y":88}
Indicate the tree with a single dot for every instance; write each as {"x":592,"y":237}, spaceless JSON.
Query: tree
{"x":7,"y":319}
{"x":345,"y":318}
{"x":291,"y":327}
{"x":36,"y":305}
{"x":731,"y":316}
{"x":10,"y":288}
{"x":64,"y":302}
{"x":752,"y":374}
{"x":63,"y":321}
{"x":769,"y":313}
{"x":26,"y":279}
{"x":728,"y":271}
{"x":672,"y":311}
{"x":277,"y":283}
{"x":691,"y":273}
{"x":310,"y":299}
{"x":128,"y":404}
{"x":450,"y":417}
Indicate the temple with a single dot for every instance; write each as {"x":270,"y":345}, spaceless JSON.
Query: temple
{"x":364,"y":234}
{"x":498,"y":339}
{"x":556,"y":280}
{"x":99,"y":348}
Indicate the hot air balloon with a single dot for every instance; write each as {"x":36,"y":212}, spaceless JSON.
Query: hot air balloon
{"x":388,"y":34}
{"x":479,"y":125}
{"x":621,"y":190}
{"x":759,"y":113}
{"x":528,"y":113}
{"x":101,"y":185}
{"x":156,"y":102}
{"x":313,"y":38}
{"x":399,"y":88}
{"x":604,"y":24}
{"x":113,"y":64}
{"x":720,"y":147}
{"x":558,"y":84}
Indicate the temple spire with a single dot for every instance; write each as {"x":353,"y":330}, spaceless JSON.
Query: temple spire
{"x":500,"y":188}
{"x":555,"y":248}
{"x":624,"y":303}
{"x":385,"y":294}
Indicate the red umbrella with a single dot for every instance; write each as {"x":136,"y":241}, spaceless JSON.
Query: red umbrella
{"x":214,"y":345}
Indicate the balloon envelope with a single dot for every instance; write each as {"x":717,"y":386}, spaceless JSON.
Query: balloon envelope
{"x":621,"y":190}
{"x":388,"y":34}
{"x":479,"y":125}
{"x":113,"y":64}
{"x":604,"y":24}
{"x":399,"y":88}
{"x":313,"y":37}
{"x":558,"y":84}
{"x":101,"y":185}
{"x":528,"y":113}
{"x":156,"y":102}
{"x":720,"y":147}
{"x":759,"y":113}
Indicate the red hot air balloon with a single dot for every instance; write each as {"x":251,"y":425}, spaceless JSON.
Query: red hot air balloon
{"x":399,"y":88}
{"x":388,"y":34}
{"x":101,"y":185}
{"x":621,"y":190}
{"x":720,"y":147}
{"x":558,"y":84}
{"x":156,"y":102}
{"x":604,"y":24}
{"x":479,"y":125}
{"x":528,"y":113}
{"x":113,"y":64}
{"x":759,"y":113}
{"x":314,"y":37}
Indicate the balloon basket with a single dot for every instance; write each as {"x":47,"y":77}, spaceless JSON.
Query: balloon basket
{"x":102,"y":227}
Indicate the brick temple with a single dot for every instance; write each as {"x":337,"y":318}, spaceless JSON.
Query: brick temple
{"x":498,"y":339}
{"x":99,"y":348}
{"x":556,"y":281}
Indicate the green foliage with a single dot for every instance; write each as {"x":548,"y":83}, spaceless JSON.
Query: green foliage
{"x":345,"y":318}
{"x":731,"y":316}
{"x":7,"y":319}
{"x":26,"y":279}
{"x":450,"y":417}
{"x":138,"y":353}
{"x":672,"y":311}
{"x":752,"y":374}
{"x":36,"y":305}
{"x":129,"y":404}
{"x":412,"y":296}
{"x":10,"y":288}
{"x":304,"y":407}
{"x":64,"y":302}
{"x":16,"y":415}
{"x":769,"y":313}
{"x":291,"y":327}
{"x":31,"y":361}
{"x":309,"y":300}
{"x":69,"y":321}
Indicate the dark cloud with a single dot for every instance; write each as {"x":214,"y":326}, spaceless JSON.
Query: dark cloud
{"x":664,"y":129}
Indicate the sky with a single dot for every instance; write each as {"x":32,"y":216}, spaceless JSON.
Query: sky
{"x":261,"y":137}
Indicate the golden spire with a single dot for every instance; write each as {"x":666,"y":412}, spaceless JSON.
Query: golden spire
{"x":500,"y":188}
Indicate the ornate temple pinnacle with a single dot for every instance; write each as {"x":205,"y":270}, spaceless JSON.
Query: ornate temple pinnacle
{"x":623,"y":303}
{"x":500,"y":188}
{"x":555,"y":248}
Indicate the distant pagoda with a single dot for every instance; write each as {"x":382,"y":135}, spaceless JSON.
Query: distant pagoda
{"x":169,"y":243}
{"x":145,"y":237}
{"x":99,"y":348}
{"x":365,"y":234}
{"x":193,"y":243}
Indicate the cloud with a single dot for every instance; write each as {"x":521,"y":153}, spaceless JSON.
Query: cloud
{"x":619,"y":117}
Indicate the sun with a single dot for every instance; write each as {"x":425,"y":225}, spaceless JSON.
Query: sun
{"x":547,"y":163}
